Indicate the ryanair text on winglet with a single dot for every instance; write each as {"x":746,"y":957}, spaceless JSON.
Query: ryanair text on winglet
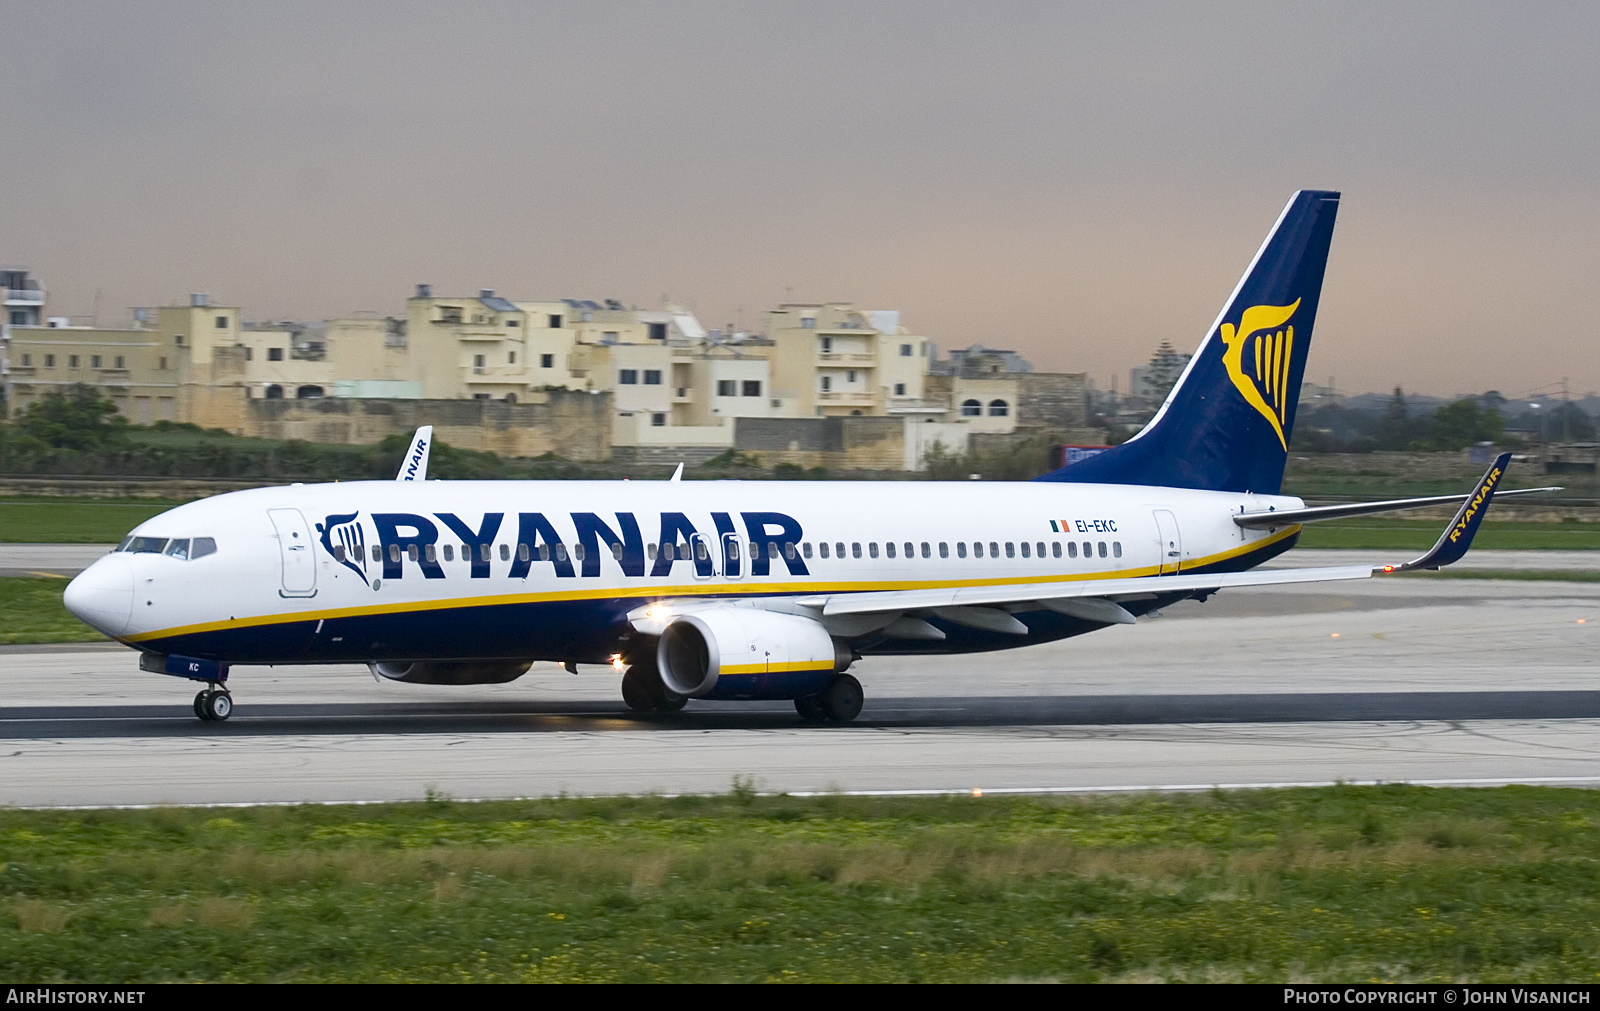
{"x":1477,"y":501}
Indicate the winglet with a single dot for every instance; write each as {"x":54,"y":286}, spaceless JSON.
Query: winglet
{"x":677,"y":475}
{"x":415,"y":466}
{"x":1457,"y":537}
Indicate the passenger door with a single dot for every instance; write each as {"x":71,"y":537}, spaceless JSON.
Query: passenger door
{"x":1170,"y":541}
{"x":295,"y":547}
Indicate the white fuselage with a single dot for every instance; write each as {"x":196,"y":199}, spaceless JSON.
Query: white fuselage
{"x":375,"y":570}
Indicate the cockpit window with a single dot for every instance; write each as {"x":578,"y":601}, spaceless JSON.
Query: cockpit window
{"x":179,"y":548}
{"x":202,"y":547}
{"x":145,"y":545}
{"x":124,"y":545}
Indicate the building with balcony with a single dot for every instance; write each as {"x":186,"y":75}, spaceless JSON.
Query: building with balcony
{"x":833,"y":360}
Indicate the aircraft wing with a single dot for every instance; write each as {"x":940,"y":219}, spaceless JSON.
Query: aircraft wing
{"x":1096,"y":599}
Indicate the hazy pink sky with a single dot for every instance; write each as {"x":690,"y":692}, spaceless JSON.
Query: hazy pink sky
{"x":1074,"y":181}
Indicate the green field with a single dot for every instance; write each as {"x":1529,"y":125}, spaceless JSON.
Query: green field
{"x":73,"y":520}
{"x":1382,"y":883}
{"x":31,"y":612}
{"x":1379,"y":532}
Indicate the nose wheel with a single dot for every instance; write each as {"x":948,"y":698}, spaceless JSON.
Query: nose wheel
{"x":213,"y":705}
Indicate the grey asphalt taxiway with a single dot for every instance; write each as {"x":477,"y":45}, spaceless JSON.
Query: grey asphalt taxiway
{"x":1413,"y":679}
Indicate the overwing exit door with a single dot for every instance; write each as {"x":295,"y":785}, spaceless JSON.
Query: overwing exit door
{"x":295,"y":546}
{"x":1171,"y":541}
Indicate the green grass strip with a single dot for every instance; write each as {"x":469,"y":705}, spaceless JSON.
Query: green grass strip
{"x":31,"y":612}
{"x":1342,"y":883}
{"x":1381,"y":533}
{"x":42,"y":520}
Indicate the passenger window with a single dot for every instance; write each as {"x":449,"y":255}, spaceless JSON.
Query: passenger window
{"x":994,"y":549}
{"x":925,"y":552}
{"x":577,"y":552}
{"x":888,"y":549}
{"x":449,"y":552}
{"x":1025,"y":552}
{"x":961,"y":549}
{"x":377,"y":553}
{"x":855,"y":549}
{"x":944,"y":549}
{"x":1072,"y":549}
{"x":1116,"y":549}
{"x":838,"y":548}
{"x":822,"y":547}
{"x":483,"y":552}
{"x":872,"y":549}
{"x":788,"y":550}
{"x":544,"y":552}
{"x":1055,"y":549}
{"x":911,"y":551}
{"x":1011,"y":550}
{"x":431,"y":553}
{"x":1040,"y":548}
{"x":1102,"y":549}
{"x":178,"y":548}
{"x":616,"y":551}
{"x":1088,"y":550}
{"x":523,"y":554}
{"x":204,"y":546}
{"x":338,"y":552}
{"x":561,"y":552}
{"x":977,"y":549}
{"x":805,"y":549}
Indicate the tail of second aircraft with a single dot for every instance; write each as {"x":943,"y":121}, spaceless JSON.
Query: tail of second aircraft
{"x":1226,"y":424}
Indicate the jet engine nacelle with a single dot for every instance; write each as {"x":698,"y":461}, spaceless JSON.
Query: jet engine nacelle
{"x":430,"y":672}
{"x":746,"y":653}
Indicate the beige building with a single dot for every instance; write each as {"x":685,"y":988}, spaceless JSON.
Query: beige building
{"x":833,"y":360}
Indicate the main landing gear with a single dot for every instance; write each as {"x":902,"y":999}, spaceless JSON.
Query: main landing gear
{"x":643,"y":691}
{"x":840,"y":702}
{"x":213,"y":705}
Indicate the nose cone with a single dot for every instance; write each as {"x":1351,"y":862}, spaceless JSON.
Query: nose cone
{"x":102,"y":595}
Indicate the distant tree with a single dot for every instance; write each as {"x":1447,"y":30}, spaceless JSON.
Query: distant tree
{"x":1166,"y":365}
{"x":1395,"y":428}
{"x":1458,"y":425}
{"x":78,"y":418}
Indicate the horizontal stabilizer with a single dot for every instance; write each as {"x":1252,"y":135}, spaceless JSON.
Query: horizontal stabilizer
{"x":1288,"y":517}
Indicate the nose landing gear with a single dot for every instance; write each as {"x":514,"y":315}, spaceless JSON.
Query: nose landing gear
{"x":213,"y":705}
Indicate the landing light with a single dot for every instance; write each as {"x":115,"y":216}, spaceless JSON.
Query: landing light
{"x":616,"y":660}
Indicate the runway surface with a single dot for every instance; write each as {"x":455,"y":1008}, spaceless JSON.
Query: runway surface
{"x":1391,"y":680}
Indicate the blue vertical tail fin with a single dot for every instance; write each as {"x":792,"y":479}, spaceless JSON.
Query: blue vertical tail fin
{"x":1227,"y":423}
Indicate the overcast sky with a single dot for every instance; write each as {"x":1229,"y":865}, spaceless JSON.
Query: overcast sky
{"x":1075,"y":181}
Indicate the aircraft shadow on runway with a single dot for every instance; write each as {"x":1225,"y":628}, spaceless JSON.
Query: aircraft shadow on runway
{"x":281,"y":720}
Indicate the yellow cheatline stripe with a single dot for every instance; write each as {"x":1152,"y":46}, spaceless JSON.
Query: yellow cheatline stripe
{"x":707,"y":589}
{"x":777,"y":668}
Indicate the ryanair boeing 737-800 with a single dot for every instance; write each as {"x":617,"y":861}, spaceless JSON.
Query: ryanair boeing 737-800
{"x":737,"y":590}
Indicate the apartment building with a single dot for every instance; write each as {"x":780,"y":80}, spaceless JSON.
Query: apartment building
{"x":833,"y":360}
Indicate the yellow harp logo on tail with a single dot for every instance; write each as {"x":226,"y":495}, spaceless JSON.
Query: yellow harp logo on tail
{"x":1259,"y":341}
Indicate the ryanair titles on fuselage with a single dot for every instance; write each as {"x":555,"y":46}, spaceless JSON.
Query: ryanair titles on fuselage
{"x":413,"y":537}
